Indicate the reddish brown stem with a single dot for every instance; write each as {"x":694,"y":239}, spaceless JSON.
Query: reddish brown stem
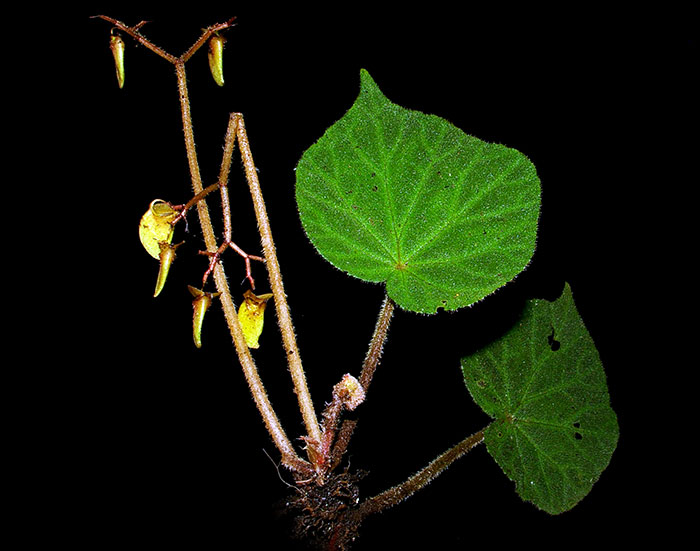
{"x":222,"y":184}
{"x":369,"y":366}
{"x":229,"y":146}
{"x":376,"y":347}
{"x":136,"y":35}
{"x":274,"y":427}
{"x":215,"y":258}
{"x":184,"y":209}
{"x":208,"y":32}
{"x":420,"y":480}
{"x":342,"y":441}
{"x":284,"y":317}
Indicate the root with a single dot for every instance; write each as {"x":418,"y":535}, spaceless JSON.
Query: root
{"x":325,"y":516}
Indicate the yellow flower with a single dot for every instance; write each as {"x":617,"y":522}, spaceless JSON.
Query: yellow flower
{"x":251,"y":316}
{"x":156,"y":228}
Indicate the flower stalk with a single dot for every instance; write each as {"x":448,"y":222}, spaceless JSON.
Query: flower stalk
{"x":289,"y":456}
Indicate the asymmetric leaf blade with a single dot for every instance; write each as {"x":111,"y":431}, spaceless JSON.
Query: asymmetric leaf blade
{"x":392,"y":195}
{"x":554,"y":431}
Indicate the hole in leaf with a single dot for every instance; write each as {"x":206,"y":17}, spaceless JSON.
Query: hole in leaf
{"x":578,"y":436}
{"x":577,"y":425}
{"x":375,"y":188}
{"x":553,"y":343}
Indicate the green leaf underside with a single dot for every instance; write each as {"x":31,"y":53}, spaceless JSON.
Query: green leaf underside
{"x":397,"y":196}
{"x":543,"y":383}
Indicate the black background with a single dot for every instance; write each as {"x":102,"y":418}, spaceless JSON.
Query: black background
{"x":159,"y":443}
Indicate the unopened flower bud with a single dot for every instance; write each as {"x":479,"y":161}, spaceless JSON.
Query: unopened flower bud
{"x":216,"y":57}
{"x":116,"y":44}
{"x":201,"y":303}
{"x":167,"y":256}
{"x":351,"y":390}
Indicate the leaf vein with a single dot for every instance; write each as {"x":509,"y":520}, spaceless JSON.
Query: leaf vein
{"x":353,"y":217}
{"x":452,"y":220}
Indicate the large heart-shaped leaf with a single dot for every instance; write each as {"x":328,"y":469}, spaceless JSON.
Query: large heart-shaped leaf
{"x":392,"y":195}
{"x":543,"y":383}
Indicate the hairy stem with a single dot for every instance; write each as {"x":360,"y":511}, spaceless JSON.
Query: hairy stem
{"x":284,"y":318}
{"x":272,"y":423}
{"x":199,"y":196}
{"x":369,"y":366}
{"x":208,"y":32}
{"x":376,"y":346}
{"x":229,"y":145}
{"x":136,"y":35}
{"x":421,"y":479}
{"x":274,"y":427}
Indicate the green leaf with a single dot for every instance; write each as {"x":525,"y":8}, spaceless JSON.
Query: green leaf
{"x":543,"y":383}
{"x":397,"y":196}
